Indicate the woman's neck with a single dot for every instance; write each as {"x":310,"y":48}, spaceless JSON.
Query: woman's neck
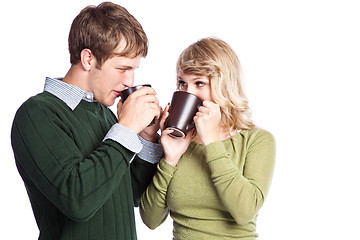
{"x":224,"y":133}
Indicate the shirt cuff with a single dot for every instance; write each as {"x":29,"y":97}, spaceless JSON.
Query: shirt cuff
{"x":151,"y":152}
{"x":124,"y":136}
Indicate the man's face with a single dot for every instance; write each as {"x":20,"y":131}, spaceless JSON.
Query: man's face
{"x":115,"y":75}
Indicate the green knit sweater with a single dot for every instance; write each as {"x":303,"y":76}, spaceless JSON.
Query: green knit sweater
{"x":80,"y":186}
{"x":215,"y":192}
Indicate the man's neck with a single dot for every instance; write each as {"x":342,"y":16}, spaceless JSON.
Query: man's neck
{"x":77,"y":76}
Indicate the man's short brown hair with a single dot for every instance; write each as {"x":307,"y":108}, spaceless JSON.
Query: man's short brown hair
{"x":101,"y":28}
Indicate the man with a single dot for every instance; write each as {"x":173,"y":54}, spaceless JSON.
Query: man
{"x":84,"y":168}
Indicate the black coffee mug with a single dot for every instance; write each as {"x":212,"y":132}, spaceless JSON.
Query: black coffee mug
{"x":183,"y":108}
{"x":124,"y":94}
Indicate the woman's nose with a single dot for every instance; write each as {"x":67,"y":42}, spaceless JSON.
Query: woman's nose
{"x":191,"y":90}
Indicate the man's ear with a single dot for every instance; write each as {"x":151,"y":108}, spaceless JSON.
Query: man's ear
{"x":88,"y":59}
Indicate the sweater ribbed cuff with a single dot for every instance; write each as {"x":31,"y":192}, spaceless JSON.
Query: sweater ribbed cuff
{"x":166,"y":169}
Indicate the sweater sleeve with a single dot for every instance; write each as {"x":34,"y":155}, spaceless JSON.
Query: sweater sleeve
{"x":153,"y":207}
{"x":142,"y":173}
{"x":46,"y":151}
{"x":143,"y":167}
{"x":243,"y":191}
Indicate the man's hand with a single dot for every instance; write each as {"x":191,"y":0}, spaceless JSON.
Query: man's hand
{"x":139,"y":109}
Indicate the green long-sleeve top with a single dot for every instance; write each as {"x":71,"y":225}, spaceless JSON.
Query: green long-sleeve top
{"x":216,"y":191}
{"x":80,"y":186}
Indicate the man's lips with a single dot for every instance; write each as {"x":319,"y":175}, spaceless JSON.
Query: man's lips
{"x":117,"y":93}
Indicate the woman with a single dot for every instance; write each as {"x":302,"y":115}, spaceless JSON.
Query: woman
{"x":215,"y":180}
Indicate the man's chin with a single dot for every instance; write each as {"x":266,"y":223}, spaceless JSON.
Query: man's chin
{"x":107,"y":102}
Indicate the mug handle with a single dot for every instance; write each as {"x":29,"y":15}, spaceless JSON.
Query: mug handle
{"x":191,"y":126}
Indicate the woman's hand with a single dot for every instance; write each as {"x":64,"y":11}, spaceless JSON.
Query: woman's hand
{"x":207,"y":121}
{"x":150,"y":132}
{"x":174,"y":148}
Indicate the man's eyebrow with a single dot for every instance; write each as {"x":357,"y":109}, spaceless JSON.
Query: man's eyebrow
{"x":125,"y":66}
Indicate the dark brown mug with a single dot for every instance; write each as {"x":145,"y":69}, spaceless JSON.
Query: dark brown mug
{"x":124,"y":94}
{"x":183,"y":108}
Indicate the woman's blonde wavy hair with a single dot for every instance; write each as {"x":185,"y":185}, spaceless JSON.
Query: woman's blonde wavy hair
{"x":215,"y":59}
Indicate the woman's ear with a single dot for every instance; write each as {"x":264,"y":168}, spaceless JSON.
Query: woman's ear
{"x":88,"y":59}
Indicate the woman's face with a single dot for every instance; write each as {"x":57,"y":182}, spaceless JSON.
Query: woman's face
{"x":197,"y":85}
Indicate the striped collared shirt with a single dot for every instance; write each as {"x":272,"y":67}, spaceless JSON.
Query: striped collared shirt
{"x":72,"y":96}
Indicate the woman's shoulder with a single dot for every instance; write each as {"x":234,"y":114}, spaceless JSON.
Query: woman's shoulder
{"x":256,"y":134}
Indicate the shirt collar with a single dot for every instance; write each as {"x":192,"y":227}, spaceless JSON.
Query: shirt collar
{"x":70,"y":94}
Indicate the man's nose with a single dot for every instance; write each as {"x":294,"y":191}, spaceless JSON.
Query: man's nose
{"x":129,"y":79}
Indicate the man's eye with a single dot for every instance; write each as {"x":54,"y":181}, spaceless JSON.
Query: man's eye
{"x":122,"y":69}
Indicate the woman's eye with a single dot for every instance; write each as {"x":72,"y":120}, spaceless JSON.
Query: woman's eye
{"x":200,"y":84}
{"x":182,"y":83}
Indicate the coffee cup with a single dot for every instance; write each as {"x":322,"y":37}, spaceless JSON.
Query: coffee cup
{"x":124,"y":94}
{"x":183,"y":108}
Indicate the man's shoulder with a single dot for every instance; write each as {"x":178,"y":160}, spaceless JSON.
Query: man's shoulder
{"x":41,"y":103}
{"x":43,"y":98}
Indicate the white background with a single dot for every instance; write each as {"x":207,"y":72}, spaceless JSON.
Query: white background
{"x":301,"y":61}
